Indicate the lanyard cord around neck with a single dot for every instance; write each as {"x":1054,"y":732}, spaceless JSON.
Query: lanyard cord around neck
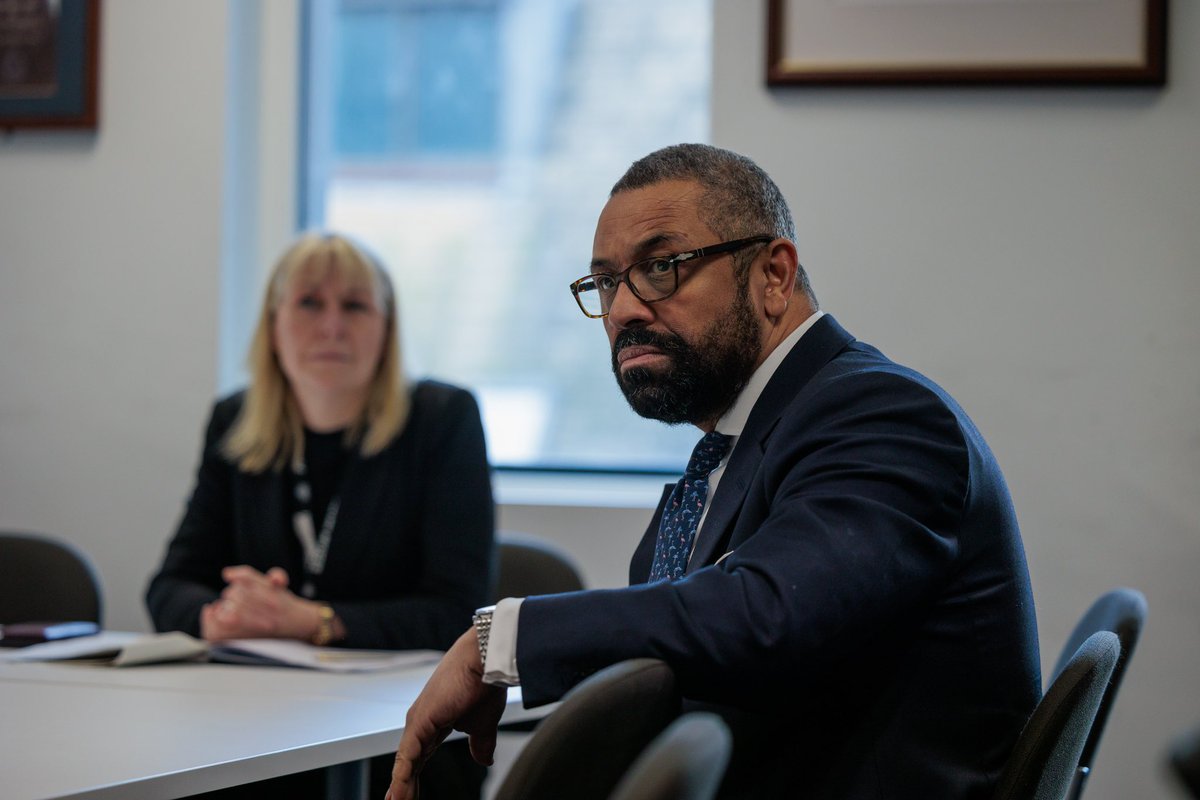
{"x":315,"y":546}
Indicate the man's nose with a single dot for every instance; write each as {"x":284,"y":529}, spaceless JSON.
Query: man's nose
{"x":627,"y":309}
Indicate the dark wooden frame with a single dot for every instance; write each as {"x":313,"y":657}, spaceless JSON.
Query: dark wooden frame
{"x":1152,"y":71}
{"x":74,"y":103}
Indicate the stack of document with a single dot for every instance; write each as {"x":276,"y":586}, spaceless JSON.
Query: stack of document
{"x":120,"y":649}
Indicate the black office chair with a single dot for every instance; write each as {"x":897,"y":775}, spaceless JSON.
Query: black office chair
{"x":584,"y":747}
{"x":529,"y":565}
{"x":1047,"y":752}
{"x":45,"y":579}
{"x":1123,"y":612}
{"x":1184,"y":761}
{"x":685,"y":762}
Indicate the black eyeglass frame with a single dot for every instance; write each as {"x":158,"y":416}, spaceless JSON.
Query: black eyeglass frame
{"x":674,"y":261}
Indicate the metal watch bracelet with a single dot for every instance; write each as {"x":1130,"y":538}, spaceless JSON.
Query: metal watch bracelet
{"x":483,"y":629}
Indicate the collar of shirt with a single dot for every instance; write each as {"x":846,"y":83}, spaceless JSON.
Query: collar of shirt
{"x":734,"y":420}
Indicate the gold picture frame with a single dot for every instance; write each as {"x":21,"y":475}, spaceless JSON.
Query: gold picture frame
{"x":966,"y":42}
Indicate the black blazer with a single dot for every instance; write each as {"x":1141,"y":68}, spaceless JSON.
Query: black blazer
{"x":857,"y":605}
{"x":411,"y":552}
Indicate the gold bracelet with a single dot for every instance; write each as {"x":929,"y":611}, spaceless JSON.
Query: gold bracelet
{"x":324,"y":633}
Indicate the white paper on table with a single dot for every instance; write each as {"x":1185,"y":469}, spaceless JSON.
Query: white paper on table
{"x":289,"y":652}
{"x":122,"y":649}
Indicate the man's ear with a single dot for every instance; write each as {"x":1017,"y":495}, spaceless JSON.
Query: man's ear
{"x":780,"y":273}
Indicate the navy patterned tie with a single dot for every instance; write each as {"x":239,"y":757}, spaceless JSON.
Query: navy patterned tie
{"x":681,"y":517}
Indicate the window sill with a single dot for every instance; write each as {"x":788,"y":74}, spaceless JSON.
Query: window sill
{"x":583,"y":489}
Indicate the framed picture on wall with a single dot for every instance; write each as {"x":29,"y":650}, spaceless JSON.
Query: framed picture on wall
{"x":966,"y":42}
{"x":48,"y":62}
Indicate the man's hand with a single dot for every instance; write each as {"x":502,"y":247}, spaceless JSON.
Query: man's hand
{"x":256,"y":604}
{"x":455,"y":698}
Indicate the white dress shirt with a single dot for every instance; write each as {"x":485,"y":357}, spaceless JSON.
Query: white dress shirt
{"x":501,"y":665}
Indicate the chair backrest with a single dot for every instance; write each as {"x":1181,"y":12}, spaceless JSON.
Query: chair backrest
{"x":1123,"y":612}
{"x":1184,"y":760}
{"x":44,"y":579}
{"x":1047,"y":751}
{"x":583,"y":747}
{"x":685,"y":762}
{"x":529,"y":565}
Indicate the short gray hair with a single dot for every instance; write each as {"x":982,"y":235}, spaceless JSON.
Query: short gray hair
{"x":740,"y":199}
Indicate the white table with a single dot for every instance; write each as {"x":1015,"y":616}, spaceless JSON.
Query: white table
{"x":171,"y":730}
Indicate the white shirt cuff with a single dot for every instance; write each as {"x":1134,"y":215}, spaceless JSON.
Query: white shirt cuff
{"x":500,"y":669}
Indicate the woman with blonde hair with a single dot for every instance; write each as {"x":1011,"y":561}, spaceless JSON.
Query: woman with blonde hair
{"x":334,"y":502}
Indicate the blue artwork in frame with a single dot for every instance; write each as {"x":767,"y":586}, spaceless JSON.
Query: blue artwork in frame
{"x":48,"y":63}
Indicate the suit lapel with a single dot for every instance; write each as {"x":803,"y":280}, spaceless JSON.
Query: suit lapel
{"x":815,"y":349}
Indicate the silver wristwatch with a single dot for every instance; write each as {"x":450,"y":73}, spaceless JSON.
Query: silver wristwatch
{"x":483,"y":629}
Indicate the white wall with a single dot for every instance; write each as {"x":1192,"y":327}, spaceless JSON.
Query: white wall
{"x":1033,"y":250}
{"x":111,"y":271}
{"x":108,"y":296}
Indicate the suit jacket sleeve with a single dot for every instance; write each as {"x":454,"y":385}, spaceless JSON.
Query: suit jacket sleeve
{"x":190,"y":575}
{"x":849,"y":521}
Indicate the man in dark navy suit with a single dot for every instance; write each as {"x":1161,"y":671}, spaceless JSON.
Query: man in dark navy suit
{"x":840,"y":572}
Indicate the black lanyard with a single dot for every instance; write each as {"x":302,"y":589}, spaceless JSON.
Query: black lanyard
{"x":315,"y":546}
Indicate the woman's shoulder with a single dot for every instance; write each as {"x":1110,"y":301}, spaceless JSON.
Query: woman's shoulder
{"x":441,"y":409}
{"x":441,"y":416}
{"x":230,"y":404}
{"x":226,"y":409}
{"x":432,"y":396}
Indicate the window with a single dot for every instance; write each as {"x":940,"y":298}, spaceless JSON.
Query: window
{"x":471,"y":144}
{"x":414,"y":82}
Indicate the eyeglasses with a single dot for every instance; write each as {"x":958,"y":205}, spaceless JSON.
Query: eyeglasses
{"x":650,"y":280}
